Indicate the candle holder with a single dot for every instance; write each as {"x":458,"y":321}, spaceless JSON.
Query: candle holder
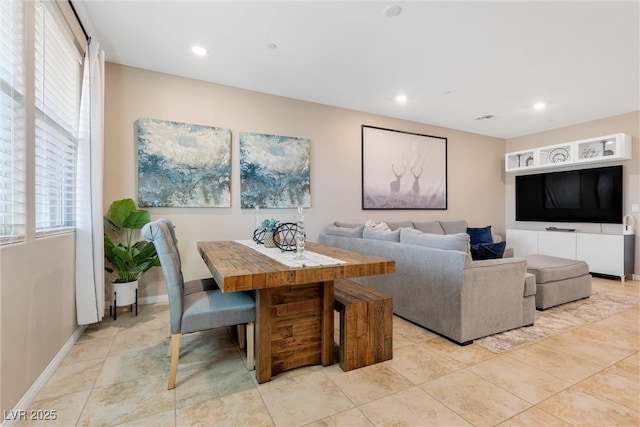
{"x":300,"y":235}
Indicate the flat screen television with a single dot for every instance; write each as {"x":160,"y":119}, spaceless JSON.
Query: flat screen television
{"x":585,"y":195}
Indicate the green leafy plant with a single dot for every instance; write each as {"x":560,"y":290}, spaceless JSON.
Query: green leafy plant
{"x":127,"y":260}
{"x":268,"y":224}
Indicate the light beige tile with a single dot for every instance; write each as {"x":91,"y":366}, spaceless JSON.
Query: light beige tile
{"x":163,"y":419}
{"x":581,"y":408}
{"x":610,"y":385}
{"x":369,"y":383}
{"x":132,"y":365}
{"x":405,"y":332}
{"x":245,"y":408}
{"x":519,"y":379}
{"x":61,"y":410}
{"x":127,"y":401}
{"x":351,"y":417}
{"x":213,"y":375}
{"x":194,"y":347}
{"x":629,"y":287}
{"x":411,"y":407}
{"x":302,"y":399}
{"x":466,"y":355}
{"x":418,"y":363}
{"x":96,"y":349}
{"x":474,"y":398}
{"x":139,"y":340}
{"x":534,"y":417}
{"x":607,"y":338}
{"x":69,"y":378}
{"x":627,"y":323}
{"x":580,"y":346}
{"x":104,"y":328}
{"x":286,"y":375}
{"x":562,"y":365}
{"x":629,"y":367}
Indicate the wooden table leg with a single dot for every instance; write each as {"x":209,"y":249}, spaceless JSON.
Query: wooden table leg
{"x":263,"y":336}
{"x":327,"y":323}
{"x":303,"y":320}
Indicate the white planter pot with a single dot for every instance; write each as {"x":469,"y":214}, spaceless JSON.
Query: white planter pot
{"x":123,"y":293}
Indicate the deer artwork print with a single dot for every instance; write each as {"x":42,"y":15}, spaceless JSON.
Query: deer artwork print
{"x":395,"y":184}
{"x":415,"y":188}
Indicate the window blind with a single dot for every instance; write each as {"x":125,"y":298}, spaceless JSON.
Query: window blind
{"x":12,"y":122}
{"x":57,"y":102}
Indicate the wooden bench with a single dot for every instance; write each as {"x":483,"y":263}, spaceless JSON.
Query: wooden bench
{"x":366,"y":325}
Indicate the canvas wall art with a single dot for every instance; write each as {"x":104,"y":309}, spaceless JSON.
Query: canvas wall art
{"x":403,"y":170}
{"x":274,"y":171}
{"x":183,"y":165}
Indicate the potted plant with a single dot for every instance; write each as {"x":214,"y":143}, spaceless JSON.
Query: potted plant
{"x":268,"y":226}
{"x":126,"y":260}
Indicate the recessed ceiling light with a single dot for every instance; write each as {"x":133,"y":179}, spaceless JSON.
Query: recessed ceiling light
{"x":391,"y":11}
{"x":539,"y":106}
{"x":199,"y":50}
{"x":401,"y":98}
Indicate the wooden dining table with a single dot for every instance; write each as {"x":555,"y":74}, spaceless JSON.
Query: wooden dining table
{"x":294,"y":305}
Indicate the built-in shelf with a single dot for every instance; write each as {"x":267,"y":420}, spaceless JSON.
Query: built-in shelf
{"x":602,"y":149}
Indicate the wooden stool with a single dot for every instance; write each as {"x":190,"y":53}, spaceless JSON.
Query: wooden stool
{"x":366,"y":325}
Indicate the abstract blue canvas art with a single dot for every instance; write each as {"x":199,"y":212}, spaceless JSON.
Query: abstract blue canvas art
{"x":183,"y":165}
{"x":274,"y":171}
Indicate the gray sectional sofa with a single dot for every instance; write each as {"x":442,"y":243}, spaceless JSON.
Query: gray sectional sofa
{"x":436,"y":284}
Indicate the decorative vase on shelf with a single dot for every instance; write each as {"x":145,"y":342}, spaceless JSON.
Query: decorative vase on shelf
{"x":268,"y":240}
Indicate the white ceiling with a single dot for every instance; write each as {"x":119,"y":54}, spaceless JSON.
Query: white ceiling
{"x":455,"y":61}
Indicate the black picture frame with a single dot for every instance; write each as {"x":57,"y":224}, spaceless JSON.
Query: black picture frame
{"x":403,"y":170}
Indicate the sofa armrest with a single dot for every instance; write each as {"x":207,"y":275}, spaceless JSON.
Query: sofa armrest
{"x":508,"y":253}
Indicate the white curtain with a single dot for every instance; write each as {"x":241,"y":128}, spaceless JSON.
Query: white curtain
{"x":89,"y":225}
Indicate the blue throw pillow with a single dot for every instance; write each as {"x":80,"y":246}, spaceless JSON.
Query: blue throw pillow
{"x":480,"y":235}
{"x":487,"y":250}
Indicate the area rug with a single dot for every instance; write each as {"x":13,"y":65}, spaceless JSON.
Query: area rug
{"x":560,"y":318}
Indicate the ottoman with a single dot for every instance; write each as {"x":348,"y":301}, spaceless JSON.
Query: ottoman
{"x":558,"y":280}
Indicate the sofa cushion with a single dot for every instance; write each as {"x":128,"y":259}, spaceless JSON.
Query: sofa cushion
{"x":396,"y":225}
{"x":455,"y":242}
{"x":343,"y":231}
{"x":432,"y":227}
{"x":453,"y":227}
{"x":480,"y":235}
{"x":372,"y":233}
{"x":346,"y":224}
{"x":487,"y":250}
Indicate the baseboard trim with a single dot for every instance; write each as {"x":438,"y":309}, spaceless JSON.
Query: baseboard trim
{"x":27,"y":399}
{"x":635,"y":277}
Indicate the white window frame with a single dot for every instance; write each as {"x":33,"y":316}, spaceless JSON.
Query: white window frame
{"x":12,"y":123}
{"x":57,"y":106}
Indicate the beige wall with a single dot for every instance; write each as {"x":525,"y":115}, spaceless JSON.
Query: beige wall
{"x":626,"y":123}
{"x":38,"y":312}
{"x":475,"y":177}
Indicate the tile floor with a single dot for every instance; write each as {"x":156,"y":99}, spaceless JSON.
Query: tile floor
{"x":117,"y":374}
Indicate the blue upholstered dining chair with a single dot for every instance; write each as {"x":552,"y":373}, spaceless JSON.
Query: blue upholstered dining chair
{"x":197,"y":305}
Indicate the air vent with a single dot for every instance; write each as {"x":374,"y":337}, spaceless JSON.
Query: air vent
{"x":486,"y":117}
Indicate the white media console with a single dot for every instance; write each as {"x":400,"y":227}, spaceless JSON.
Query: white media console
{"x":610,"y":254}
